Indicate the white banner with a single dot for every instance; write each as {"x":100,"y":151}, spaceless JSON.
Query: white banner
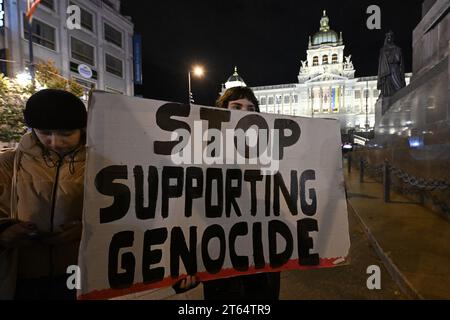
{"x":173,"y":190}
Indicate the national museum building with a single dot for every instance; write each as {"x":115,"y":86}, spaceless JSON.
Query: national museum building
{"x":326,"y":88}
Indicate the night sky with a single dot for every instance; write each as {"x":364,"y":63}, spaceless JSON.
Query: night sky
{"x":265,"y":39}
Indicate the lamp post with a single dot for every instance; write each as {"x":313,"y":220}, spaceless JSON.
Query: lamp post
{"x":31,"y":8}
{"x":367,"y":124}
{"x":30,"y":49}
{"x":198,"y":72}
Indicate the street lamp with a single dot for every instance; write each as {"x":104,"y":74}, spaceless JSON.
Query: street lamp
{"x":367,"y":124}
{"x":198,"y":72}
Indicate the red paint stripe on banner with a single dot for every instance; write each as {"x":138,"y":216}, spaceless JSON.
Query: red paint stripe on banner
{"x":204,"y":276}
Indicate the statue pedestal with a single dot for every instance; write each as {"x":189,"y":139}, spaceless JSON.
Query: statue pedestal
{"x":381,"y":106}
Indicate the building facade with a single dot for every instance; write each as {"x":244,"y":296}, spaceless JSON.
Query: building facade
{"x":99,"y":55}
{"x":327,"y":87}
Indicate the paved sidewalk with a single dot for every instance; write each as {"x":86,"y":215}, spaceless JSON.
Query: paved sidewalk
{"x":412,"y":241}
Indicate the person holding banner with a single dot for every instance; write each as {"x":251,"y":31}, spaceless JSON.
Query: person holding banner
{"x":238,"y":98}
{"x":41,"y":199}
{"x":261,"y":286}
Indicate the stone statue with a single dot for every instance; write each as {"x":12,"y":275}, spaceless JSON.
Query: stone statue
{"x":348,"y":65}
{"x":303,"y":68}
{"x":348,"y":59}
{"x":391,"y":70}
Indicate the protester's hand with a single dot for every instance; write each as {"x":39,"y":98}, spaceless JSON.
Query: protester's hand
{"x":70,"y":232}
{"x":186,"y":284}
{"x":18,"y":235}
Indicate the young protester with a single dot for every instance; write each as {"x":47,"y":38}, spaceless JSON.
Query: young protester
{"x":41,"y":199}
{"x":261,"y":286}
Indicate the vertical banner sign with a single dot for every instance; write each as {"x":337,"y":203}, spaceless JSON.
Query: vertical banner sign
{"x":2,"y":15}
{"x":174,"y":190}
{"x":333,"y":99}
{"x":137,"y":58}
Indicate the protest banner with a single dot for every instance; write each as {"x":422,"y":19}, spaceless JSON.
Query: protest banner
{"x":174,"y":190}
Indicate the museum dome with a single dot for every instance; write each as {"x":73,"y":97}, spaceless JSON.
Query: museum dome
{"x":235,"y":80}
{"x":235,"y":77}
{"x":325,"y":35}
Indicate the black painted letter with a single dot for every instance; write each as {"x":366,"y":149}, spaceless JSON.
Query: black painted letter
{"x":120,"y":192}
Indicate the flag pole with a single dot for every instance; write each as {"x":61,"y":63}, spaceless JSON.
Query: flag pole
{"x":32,"y":5}
{"x":30,"y":42}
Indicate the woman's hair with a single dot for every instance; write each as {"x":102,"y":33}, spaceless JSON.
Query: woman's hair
{"x":83,"y":137}
{"x":237,"y":93}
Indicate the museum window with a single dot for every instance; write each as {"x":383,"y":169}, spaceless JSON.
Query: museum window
{"x":263,"y":101}
{"x":315,"y":61}
{"x":278,"y":99}
{"x":357,"y":94}
{"x":335,"y":59}
{"x":325,"y":60}
{"x":287,"y":99}
{"x":270,"y":100}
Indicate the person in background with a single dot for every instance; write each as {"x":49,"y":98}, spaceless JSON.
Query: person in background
{"x":261,"y":286}
{"x":41,"y":198}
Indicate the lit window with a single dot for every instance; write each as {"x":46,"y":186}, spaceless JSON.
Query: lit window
{"x":335,"y":59}
{"x":315,"y":61}
{"x":87,"y":19}
{"x":43,"y":34}
{"x":82,"y":51}
{"x":113,"y":36}
{"x":114,"y":65}
{"x":49,"y":4}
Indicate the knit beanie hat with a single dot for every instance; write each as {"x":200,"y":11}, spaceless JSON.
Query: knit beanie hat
{"x":52,"y":109}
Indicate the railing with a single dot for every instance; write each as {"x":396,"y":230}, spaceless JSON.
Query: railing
{"x":386,"y":173}
{"x":275,"y":87}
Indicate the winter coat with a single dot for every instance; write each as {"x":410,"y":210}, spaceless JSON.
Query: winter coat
{"x":49,"y":193}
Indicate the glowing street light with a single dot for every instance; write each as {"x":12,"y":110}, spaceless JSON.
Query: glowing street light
{"x":198,"y":71}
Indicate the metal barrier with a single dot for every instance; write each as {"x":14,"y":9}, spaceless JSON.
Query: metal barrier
{"x":386,"y":172}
